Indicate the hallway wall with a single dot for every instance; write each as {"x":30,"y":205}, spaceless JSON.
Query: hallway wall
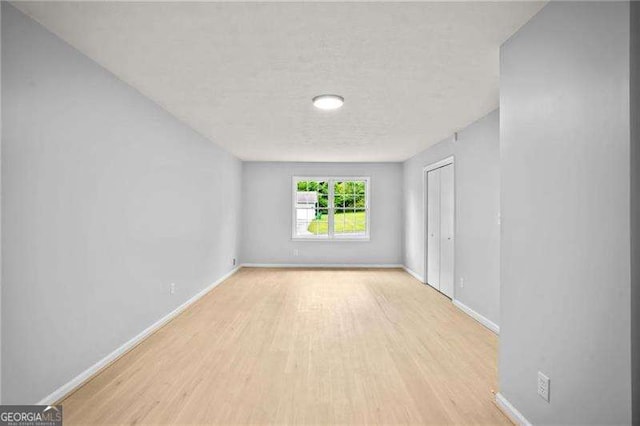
{"x":107,"y":200}
{"x":565,"y":201}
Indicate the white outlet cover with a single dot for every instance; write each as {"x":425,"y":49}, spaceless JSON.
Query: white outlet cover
{"x":544,"y":384}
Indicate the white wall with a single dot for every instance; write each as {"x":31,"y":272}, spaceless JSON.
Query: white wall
{"x":564,"y":97}
{"x":477,"y":237}
{"x":266,"y":234}
{"x":414,"y":204}
{"x":107,"y":199}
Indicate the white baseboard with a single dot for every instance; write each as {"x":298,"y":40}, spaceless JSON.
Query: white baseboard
{"x":321,"y":265}
{"x":82,"y":378}
{"x":476,"y":316}
{"x":414,"y":274}
{"x":511,"y":411}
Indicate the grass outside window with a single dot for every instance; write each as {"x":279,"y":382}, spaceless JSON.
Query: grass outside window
{"x":344,"y":223}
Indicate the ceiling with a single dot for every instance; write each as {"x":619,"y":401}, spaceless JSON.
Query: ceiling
{"x":243,"y":74}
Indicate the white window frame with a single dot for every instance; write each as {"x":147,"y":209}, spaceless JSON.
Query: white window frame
{"x":330,"y":208}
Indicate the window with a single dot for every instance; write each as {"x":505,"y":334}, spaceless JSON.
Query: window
{"x":330,"y":208}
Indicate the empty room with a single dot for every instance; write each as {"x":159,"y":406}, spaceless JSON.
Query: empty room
{"x":320,"y":213}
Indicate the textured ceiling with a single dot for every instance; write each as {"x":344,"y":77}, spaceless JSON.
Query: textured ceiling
{"x":243,"y":74}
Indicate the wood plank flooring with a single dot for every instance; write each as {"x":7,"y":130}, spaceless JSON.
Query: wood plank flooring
{"x":304,"y":346}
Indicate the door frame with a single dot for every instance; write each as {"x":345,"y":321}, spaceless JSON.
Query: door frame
{"x":450,"y":160}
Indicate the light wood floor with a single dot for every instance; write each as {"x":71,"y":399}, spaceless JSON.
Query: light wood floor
{"x":304,"y":346}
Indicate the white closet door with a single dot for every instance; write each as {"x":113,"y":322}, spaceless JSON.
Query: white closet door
{"x":447,"y":203}
{"x":433,"y":228}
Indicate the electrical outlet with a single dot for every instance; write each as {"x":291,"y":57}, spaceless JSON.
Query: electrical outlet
{"x":296,"y":252}
{"x":544,"y":384}
{"x":172,"y":288}
{"x":461,"y":282}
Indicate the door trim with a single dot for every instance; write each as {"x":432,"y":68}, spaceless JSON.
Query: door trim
{"x":450,"y":160}
{"x":439,"y":164}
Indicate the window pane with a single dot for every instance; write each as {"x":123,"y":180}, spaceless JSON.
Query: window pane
{"x":350,"y":222}
{"x":323,"y":199}
{"x":360,"y":223}
{"x":323,"y":188}
{"x":312,"y":201}
{"x":339,"y":221}
{"x":306,"y":199}
{"x":338,"y":194}
{"x":304,"y":217}
{"x":350,"y":193}
{"x":349,"y":200}
{"x":359,"y":192}
{"x":320,"y":224}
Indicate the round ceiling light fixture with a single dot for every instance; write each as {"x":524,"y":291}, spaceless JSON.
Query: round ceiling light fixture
{"x":328,"y":102}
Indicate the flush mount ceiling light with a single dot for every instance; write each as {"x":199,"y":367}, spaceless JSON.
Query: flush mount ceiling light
{"x":328,"y":101}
